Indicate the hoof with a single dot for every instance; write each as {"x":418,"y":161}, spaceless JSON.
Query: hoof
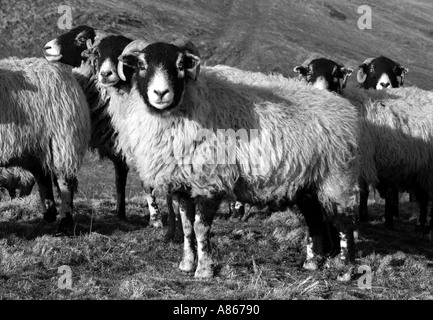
{"x":122,"y":217}
{"x":50,"y":215}
{"x":344,"y":277}
{"x":174,"y":238}
{"x":65,"y":226}
{"x":204,"y":272}
{"x":169,"y":236}
{"x":186,"y":265}
{"x":311,"y":265}
{"x":157,"y":224}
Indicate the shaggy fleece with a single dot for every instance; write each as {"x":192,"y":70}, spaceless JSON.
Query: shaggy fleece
{"x":43,"y":112}
{"x":397,"y":133}
{"x":291,"y":136}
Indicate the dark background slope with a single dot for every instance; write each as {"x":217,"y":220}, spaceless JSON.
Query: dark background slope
{"x":260,"y":35}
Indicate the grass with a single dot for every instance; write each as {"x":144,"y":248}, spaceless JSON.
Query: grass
{"x":258,"y":259}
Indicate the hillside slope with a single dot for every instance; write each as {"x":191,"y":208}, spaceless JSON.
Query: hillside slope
{"x":262,"y":35}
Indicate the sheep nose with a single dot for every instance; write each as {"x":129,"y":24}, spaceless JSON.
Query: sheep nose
{"x":48,"y":47}
{"x":161,"y":93}
{"x":385,"y":85}
{"x":106,"y":73}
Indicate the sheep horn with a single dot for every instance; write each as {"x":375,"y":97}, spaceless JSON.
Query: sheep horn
{"x":186,"y":45}
{"x":368,"y":61}
{"x":133,"y":47}
{"x":361,"y":76}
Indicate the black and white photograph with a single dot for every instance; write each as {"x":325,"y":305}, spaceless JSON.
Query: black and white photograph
{"x":216,"y":155}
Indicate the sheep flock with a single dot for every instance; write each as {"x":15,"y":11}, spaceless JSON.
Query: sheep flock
{"x":203,"y":134}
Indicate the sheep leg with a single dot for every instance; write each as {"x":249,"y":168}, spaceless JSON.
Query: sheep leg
{"x":155,"y":219}
{"x":121,"y":171}
{"x":205,"y":212}
{"x":345,"y":227}
{"x":422,"y":197}
{"x":391,"y":205}
{"x":187,"y":213}
{"x":363,"y":200}
{"x":66,"y":187}
{"x":312,"y":211}
{"x":174,"y":231}
{"x":46,"y":194}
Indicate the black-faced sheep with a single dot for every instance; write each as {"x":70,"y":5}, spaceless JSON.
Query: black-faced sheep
{"x":380,"y":73}
{"x":296,"y":144}
{"x":44,"y":128}
{"x":96,"y":72}
{"x":376,"y":114}
{"x":324,"y":74}
{"x":14,"y":178}
{"x":399,"y":124}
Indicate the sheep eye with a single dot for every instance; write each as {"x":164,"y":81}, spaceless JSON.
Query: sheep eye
{"x":180,"y":66}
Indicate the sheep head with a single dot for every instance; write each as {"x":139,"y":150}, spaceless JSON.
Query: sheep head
{"x":69,"y":47}
{"x":161,"y":71}
{"x":381,"y":73}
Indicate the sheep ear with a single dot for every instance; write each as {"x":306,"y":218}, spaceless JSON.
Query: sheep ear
{"x":192,"y":65}
{"x":301,"y":70}
{"x":131,"y":60}
{"x":401,"y":71}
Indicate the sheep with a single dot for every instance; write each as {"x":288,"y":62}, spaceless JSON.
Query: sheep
{"x":381,"y":73}
{"x":44,"y":128}
{"x":290,"y":149}
{"x":74,"y":48}
{"x":14,"y":178}
{"x":377,"y":68}
{"x":324,"y":74}
{"x":399,"y":125}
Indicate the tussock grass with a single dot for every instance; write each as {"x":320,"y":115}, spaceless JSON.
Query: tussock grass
{"x":258,"y":259}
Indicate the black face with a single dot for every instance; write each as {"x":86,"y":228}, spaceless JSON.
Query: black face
{"x":162,"y":75}
{"x":68,"y":47}
{"x":382,"y":73}
{"x":325,"y":74}
{"x":106,"y":56}
{"x":161,"y":70}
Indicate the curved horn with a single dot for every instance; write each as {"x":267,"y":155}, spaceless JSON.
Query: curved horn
{"x":368,"y":61}
{"x":361,"y":76}
{"x":186,"y":45}
{"x":134,"y":48}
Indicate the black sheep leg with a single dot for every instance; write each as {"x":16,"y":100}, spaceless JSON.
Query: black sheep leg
{"x":391,"y":205}
{"x":67,"y":187}
{"x":175,"y":229}
{"x":312,"y":211}
{"x":205,"y":212}
{"x":363,"y":200}
{"x":121,"y":170}
{"x":45,"y":187}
